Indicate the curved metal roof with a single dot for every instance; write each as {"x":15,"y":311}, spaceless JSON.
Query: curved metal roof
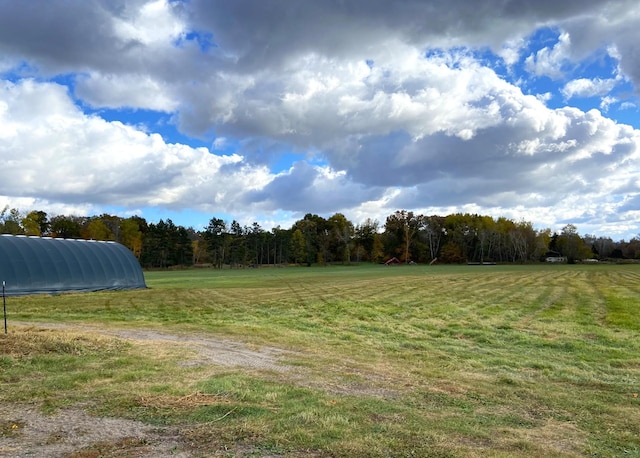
{"x":35,"y":265}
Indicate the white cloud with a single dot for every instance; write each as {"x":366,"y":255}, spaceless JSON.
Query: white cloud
{"x":511,"y":50}
{"x":386,"y":106}
{"x":27,"y":204}
{"x":606,"y":102}
{"x":54,"y":152}
{"x":122,"y":91}
{"x":154,"y":22}
{"x":549,"y":61}
{"x":220,"y":143}
{"x":585,"y":87}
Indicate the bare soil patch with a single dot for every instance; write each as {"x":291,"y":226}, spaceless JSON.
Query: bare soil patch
{"x":72,"y":433}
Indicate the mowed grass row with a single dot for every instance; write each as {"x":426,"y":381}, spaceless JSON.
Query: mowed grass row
{"x":386,"y":361}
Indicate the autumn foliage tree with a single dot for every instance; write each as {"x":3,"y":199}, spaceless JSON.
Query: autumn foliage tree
{"x":455,"y":238}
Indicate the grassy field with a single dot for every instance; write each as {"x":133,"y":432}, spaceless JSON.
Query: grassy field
{"x":380,"y":361}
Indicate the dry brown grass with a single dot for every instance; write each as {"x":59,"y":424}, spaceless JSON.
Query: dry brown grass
{"x":196,"y":399}
{"x":24,"y":342}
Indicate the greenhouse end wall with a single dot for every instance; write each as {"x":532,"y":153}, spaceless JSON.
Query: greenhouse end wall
{"x":41,"y":265}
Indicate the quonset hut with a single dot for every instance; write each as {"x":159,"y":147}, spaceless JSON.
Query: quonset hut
{"x":35,"y":265}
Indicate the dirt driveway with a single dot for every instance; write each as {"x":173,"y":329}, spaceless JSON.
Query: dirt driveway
{"x":25,"y":432}
{"x":72,"y":433}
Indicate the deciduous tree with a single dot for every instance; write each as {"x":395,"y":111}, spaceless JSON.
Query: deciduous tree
{"x":36,"y":223}
{"x":401,"y":229}
{"x":298,"y":246}
{"x":67,"y":227}
{"x":571,"y":244}
{"x":343,"y":233}
{"x":365,"y":235}
{"x":11,"y":221}
{"x":131,"y":236}
{"x":96,"y":229}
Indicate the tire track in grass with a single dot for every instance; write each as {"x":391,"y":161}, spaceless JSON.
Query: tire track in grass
{"x":622,"y":300}
{"x":572,"y":298}
{"x":359,"y":291}
{"x":486,"y":294}
{"x":551,"y":295}
{"x":596,"y":289}
{"x":593,"y":290}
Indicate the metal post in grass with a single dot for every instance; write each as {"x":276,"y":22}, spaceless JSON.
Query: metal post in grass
{"x":4,"y":307}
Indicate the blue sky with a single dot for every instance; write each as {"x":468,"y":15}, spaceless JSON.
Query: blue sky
{"x":265,"y":111}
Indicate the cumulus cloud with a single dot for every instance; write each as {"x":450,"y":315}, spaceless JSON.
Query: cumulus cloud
{"x":51,"y":150}
{"x":584,"y":87}
{"x":386,"y":106}
{"x":109,"y":91}
{"x":549,"y":61}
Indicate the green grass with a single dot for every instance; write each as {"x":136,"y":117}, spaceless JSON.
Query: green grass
{"x":386,"y":361}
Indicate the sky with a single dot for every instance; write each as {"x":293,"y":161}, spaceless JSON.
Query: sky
{"x":263,"y":111}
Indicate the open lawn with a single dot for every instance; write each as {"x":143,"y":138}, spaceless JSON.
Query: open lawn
{"x":339,"y":361}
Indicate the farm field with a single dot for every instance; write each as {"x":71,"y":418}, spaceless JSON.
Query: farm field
{"x":360,"y":360}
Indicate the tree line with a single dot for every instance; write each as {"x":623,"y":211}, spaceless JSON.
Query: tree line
{"x":405,"y":236}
